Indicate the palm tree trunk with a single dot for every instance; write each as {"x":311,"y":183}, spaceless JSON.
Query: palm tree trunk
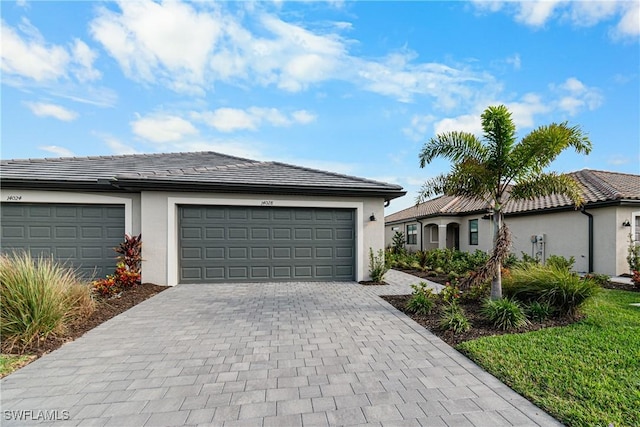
{"x":496,"y":282}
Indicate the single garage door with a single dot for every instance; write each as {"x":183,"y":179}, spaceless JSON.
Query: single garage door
{"x":235,"y":244}
{"x":83,"y":236}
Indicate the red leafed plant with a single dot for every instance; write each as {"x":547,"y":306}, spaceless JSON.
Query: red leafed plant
{"x":636,"y":278}
{"x":131,"y":252}
{"x":127,"y":274}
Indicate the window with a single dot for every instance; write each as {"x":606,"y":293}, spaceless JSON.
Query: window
{"x":434,"y":234}
{"x":412,"y":234}
{"x":636,"y":227}
{"x":473,"y":231}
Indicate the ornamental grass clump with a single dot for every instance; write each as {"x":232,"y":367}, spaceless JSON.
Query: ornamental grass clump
{"x":505,"y":313}
{"x":453,"y":319}
{"x":565,"y":291}
{"x":39,"y":297}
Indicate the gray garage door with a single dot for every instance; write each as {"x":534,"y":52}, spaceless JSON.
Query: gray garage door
{"x":81,"y":235}
{"x":227,"y":244}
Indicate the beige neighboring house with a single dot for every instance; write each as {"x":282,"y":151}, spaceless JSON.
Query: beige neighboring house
{"x":597,"y":235}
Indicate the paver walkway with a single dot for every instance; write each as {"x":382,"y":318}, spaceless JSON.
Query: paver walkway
{"x":275,"y":354}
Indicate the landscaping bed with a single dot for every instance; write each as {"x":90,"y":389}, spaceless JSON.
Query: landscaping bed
{"x":480,"y":327}
{"x":105,"y":309}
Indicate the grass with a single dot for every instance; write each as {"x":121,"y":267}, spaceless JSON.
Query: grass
{"x":586,"y":374}
{"x":39,"y":297}
{"x":9,"y":363}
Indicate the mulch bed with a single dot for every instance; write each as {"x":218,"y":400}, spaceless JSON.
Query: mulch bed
{"x":105,"y":310}
{"x":622,"y":287}
{"x":480,"y":327}
{"x":372,"y":283}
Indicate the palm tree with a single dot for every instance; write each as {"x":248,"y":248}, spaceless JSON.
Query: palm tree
{"x":496,"y":168}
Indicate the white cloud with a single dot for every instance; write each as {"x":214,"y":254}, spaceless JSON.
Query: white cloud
{"x":524,"y":111}
{"x":83,"y":58}
{"x":148,"y":40}
{"x":162,"y":128}
{"x":418,"y":127}
{"x":464,"y":123}
{"x":165,"y":42}
{"x":515,"y":61}
{"x":575,"y":96}
{"x":31,"y":57}
{"x":234,"y":119}
{"x":303,"y":117}
{"x":248,"y":150}
{"x":57,"y":150}
{"x":624,"y":14}
{"x":536,"y":13}
{"x":42,"y":109}
{"x":618,"y":159}
{"x":629,"y":25}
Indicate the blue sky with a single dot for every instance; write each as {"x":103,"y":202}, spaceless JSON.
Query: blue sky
{"x":350,"y":87}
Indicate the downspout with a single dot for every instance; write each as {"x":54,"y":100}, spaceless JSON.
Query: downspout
{"x":583,"y":210}
{"x":421,"y":235}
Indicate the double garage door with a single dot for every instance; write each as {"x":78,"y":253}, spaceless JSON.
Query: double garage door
{"x":238,"y":243}
{"x":82,"y":236}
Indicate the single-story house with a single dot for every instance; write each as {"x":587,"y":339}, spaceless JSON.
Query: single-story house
{"x":204,"y":217}
{"x":597,"y":235}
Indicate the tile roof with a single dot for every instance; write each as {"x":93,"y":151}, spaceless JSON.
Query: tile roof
{"x":206,"y":169}
{"x":597,"y":187}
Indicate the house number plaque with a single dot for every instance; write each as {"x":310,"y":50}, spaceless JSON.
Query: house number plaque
{"x":266,"y":203}
{"x":13,"y":198}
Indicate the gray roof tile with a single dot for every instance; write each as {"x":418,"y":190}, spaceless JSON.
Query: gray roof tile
{"x":183,"y":169}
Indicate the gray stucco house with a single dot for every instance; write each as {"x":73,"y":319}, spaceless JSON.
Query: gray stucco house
{"x":204,"y":217}
{"x":597,"y":235}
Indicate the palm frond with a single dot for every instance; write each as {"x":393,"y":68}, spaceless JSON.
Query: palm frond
{"x":543,"y":145}
{"x":455,"y":146}
{"x":500,"y":134}
{"x":546,"y":184}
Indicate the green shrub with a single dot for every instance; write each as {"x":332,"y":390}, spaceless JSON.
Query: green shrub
{"x":600,"y":279}
{"x":423,"y":258}
{"x":476,"y":293}
{"x":422,"y":299}
{"x":39,"y":297}
{"x":560,"y":262}
{"x":539,"y":311}
{"x":633,"y":254}
{"x":504,"y":313}
{"x":452,"y":318}
{"x":377,"y":266}
{"x":564,"y":290}
{"x":450,"y":293}
{"x":398,"y":243}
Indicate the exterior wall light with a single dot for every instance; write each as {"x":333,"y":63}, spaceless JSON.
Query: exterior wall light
{"x":626,"y":223}
{"x":372,"y":217}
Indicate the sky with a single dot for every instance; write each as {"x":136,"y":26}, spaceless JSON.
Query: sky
{"x":349,"y":87}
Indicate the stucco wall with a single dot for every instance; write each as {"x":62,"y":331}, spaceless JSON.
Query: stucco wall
{"x":159,"y":226}
{"x":566,"y":234}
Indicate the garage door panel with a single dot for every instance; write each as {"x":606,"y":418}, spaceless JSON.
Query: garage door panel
{"x":324,"y":234}
{"x":82,"y":236}
{"x":260,"y":253}
{"x":214,"y":233}
{"x":282,"y":234}
{"x":66,"y":232}
{"x":238,"y":233}
{"x":192,"y":233}
{"x":266,"y":244}
{"x":236,"y":273}
{"x":260,"y":233}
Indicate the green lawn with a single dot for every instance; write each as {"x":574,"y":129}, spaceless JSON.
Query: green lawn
{"x":586,"y":374}
{"x":9,"y":364}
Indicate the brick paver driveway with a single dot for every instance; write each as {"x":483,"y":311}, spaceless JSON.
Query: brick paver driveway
{"x":260,"y":355}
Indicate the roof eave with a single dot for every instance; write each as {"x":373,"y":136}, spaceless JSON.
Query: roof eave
{"x":131,"y":185}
